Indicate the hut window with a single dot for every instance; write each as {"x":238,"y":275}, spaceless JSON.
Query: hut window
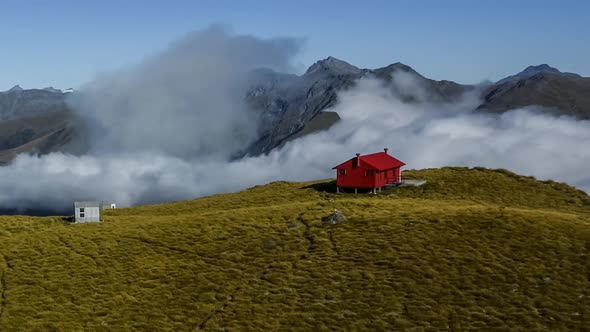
{"x":81,"y":210}
{"x":81,"y":214}
{"x":342,"y":171}
{"x":369,"y":172}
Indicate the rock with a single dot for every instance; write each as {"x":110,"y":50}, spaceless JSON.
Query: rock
{"x":292,"y":226}
{"x":334,"y":217}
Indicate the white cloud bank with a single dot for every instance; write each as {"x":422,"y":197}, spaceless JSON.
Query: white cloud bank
{"x":164,"y":131}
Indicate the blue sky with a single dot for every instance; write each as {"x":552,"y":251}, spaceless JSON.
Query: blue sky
{"x":66,"y":43}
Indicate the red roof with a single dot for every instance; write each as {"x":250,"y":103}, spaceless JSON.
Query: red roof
{"x":380,"y":161}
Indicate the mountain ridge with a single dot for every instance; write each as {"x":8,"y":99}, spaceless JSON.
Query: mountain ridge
{"x":534,"y":70}
{"x":558,"y":93}
{"x":290,"y":106}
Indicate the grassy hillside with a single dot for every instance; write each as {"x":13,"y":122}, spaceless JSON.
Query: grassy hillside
{"x":472,"y":249}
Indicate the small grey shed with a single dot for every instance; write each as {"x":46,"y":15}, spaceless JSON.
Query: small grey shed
{"x":87,"y":211}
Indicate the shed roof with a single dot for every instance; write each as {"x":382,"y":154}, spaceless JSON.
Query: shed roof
{"x":85,"y":204}
{"x":380,"y":161}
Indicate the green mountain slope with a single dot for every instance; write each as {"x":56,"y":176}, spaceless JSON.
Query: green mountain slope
{"x":472,"y":249}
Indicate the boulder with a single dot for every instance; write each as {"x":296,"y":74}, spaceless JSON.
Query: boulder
{"x":334,"y":217}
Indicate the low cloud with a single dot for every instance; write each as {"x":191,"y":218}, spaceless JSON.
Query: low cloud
{"x":185,"y":101}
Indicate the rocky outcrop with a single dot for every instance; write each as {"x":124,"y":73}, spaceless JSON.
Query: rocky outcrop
{"x":334,"y":217}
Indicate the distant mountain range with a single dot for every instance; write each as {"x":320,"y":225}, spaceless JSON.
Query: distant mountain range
{"x":561,"y":93}
{"x":292,"y":106}
{"x":37,"y":120}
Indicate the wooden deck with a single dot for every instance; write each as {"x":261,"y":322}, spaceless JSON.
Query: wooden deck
{"x":413,"y":182}
{"x":407,"y":182}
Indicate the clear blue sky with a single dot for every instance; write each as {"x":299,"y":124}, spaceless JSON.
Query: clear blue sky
{"x":65,"y":43}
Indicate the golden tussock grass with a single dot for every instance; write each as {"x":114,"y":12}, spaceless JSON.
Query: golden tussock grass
{"x":473,"y":249}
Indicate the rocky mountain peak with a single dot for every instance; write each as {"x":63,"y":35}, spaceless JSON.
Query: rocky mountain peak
{"x":398,"y":66}
{"x":333,"y":65}
{"x":402,"y":66}
{"x":542,"y":68}
{"x":15,"y":88}
{"x":531,"y":71}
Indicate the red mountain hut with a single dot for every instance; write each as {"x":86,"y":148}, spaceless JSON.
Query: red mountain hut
{"x":371,"y":171}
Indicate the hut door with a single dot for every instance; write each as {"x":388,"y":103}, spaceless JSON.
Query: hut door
{"x":390,"y":176}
